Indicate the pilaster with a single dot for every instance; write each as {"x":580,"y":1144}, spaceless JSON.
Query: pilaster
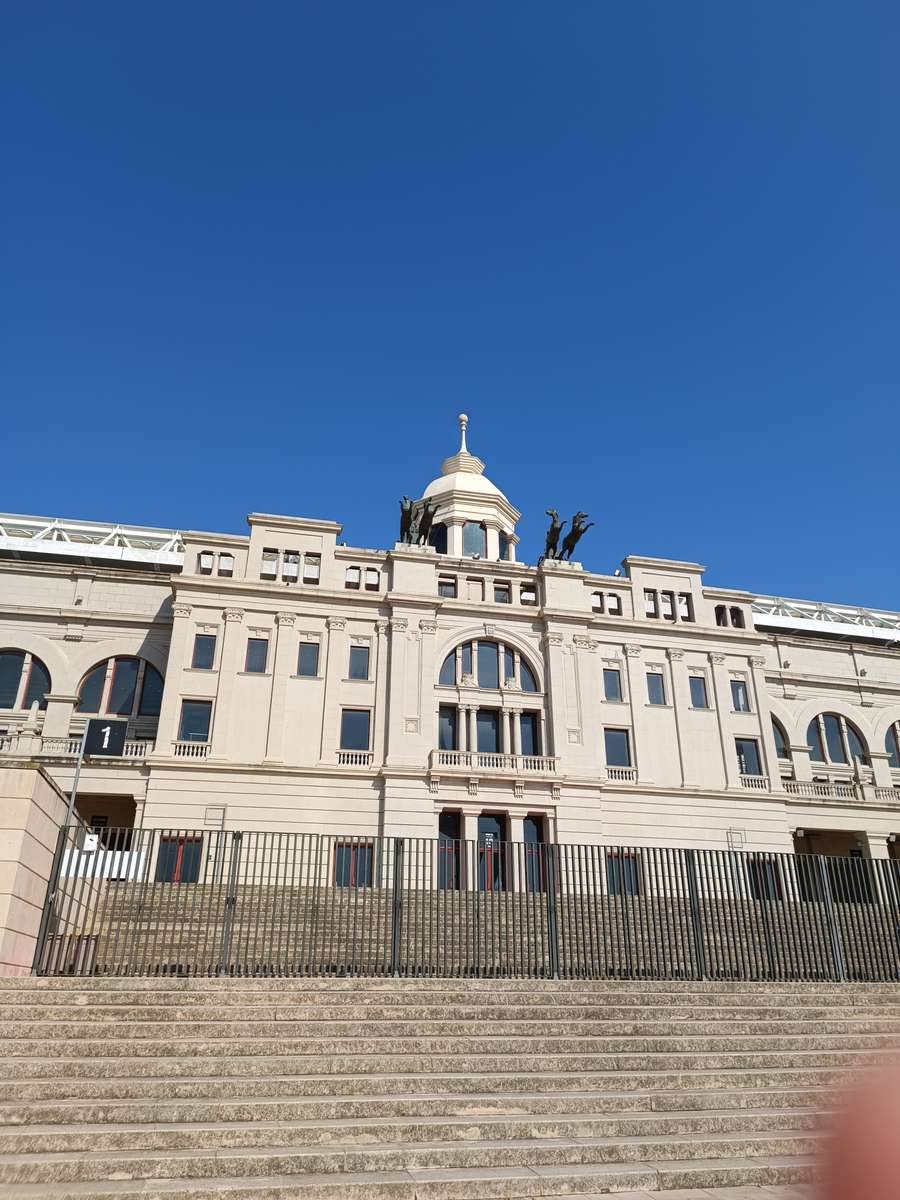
{"x":680,"y":703}
{"x":167,"y":726}
{"x":337,"y":656}
{"x":634,"y":668}
{"x":284,"y":658}
{"x":229,"y":664}
{"x":722,"y":694}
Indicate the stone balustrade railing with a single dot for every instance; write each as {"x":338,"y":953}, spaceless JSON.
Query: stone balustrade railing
{"x":478,"y":760}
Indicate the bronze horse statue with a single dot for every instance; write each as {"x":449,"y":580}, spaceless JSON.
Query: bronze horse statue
{"x":551,"y":542}
{"x":570,"y":541}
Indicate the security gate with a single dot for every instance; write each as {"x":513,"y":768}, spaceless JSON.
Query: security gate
{"x":201,"y":902}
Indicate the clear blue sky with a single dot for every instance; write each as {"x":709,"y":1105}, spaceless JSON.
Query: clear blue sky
{"x":258,"y":256}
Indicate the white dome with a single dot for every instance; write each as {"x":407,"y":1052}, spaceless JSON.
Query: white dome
{"x":462,"y":472}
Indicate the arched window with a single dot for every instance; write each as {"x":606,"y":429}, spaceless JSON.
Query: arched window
{"x":23,"y":679}
{"x":122,"y":687}
{"x":892,"y":745}
{"x":492,"y":664}
{"x":781,"y":742}
{"x":832,"y":739}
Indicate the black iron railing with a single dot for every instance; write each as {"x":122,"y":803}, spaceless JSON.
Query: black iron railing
{"x":202,"y":902}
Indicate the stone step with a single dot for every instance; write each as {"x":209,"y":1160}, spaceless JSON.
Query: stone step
{"x":116,"y":1165}
{"x":659,"y":1025}
{"x":583,"y":1182}
{"x":195,"y":1135}
{"x":23,"y":1112}
{"x":206,"y":1084}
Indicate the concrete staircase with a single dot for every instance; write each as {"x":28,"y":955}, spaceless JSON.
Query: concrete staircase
{"x":365,"y":1089}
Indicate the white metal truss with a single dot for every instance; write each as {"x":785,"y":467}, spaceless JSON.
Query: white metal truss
{"x":54,"y":537}
{"x":832,"y":620}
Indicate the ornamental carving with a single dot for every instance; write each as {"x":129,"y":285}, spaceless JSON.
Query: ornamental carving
{"x":399,"y":625}
{"x":553,"y":639}
{"x":585,"y":643}
{"x":181,"y":610}
{"x":757,"y":661}
{"x":284,"y":618}
{"x":381,"y":628}
{"x":233,"y":614}
{"x":337,"y":623}
{"x":632,"y":651}
{"x":428,"y":626}
{"x":717,"y":659}
{"x":675,"y":655}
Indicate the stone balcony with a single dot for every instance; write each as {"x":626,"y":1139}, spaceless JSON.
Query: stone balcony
{"x":24,"y":744}
{"x":469,"y":761}
{"x":834,"y":792}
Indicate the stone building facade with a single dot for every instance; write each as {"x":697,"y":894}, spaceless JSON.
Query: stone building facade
{"x":286,"y":681}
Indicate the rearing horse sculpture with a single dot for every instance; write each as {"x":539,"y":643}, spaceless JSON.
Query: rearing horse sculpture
{"x":551,"y":543}
{"x":570,"y":541}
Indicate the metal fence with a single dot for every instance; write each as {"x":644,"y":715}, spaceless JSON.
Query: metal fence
{"x":201,"y":902}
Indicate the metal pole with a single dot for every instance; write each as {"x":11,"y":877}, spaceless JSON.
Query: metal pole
{"x":74,"y":791}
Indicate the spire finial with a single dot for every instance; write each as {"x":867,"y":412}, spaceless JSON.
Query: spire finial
{"x":463,"y":422}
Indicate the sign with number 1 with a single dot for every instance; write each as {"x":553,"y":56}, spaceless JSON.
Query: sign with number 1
{"x":105,"y":738}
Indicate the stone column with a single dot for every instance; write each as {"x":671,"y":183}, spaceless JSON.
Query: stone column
{"x":179,"y":657}
{"x":58,"y":715}
{"x":473,"y":730}
{"x":284,"y":664}
{"x":517,"y":730}
{"x":766,"y":732}
{"x":506,"y":732}
{"x":554,"y":670}
{"x":722,"y":695}
{"x":337,"y":658}
{"x":380,"y":723}
{"x":680,"y":700}
{"x":229,"y":665}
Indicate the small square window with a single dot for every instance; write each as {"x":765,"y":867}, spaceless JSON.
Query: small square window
{"x":656,"y":687}
{"x":359,"y":662}
{"x":740,"y":697}
{"x":226,"y":565}
{"x":205,"y":562}
{"x":699,"y":698}
{"x":651,"y":603}
{"x":308,"y":661}
{"x":618,"y":747}
{"x":204,"y":652}
{"x":257,"y":654}
{"x":373,"y":579}
{"x":312,"y":568}
{"x":269,"y":568}
{"x":527,"y":594}
{"x":502,"y":593}
{"x":290,"y":569}
{"x":612,"y":683}
{"x":352,"y":577}
{"x":354,"y":729}
{"x":447,"y":587}
{"x":194,"y":723}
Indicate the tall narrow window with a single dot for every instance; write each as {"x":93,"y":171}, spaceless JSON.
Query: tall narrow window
{"x":651,"y":603}
{"x":488,"y":665}
{"x":257,"y":654}
{"x":597,"y":604}
{"x":447,"y":677}
{"x":312,"y":566}
{"x":623,"y":873}
{"x":740,"y":697}
{"x":618,"y":747}
{"x":290,"y":568}
{"x":449,"y":849}
{"x":355,"y":729}
{"x":487,"y":724}
{"x":699,"y":698}
{"x":667,"y":605}
{"x":91,"y":690}
{"x":205,"y":562}
{"x":352,"y":577}
{"x":612,"y":684}
{"x":269,"y":567}
{"x":151,"y":692}
{"x":685,"y":606}
{"x":194,"y":723}
{"x":509,"y":664}
{"x":38,"y":684}
{"x":437,"y":537}
{"x":226,"y":565}
{"x":534,"y":837}
{"x":308,"y":660}
{"x":359,"y":662}
{"x":892,"y":746}
{"x":204,"y":652}
{"x":474,"y":540}
{"x":373,"y":579}
{"x":447,"y":722}
{"x":529,"y":728}
{"x":526,"y":677}
{"x":613,"y":604}
{"x":504,"y":547}
{"x":124,"y":682}
{"x":748,"y":756}
{"x":781,"y":743}
{"x":656,"y":688}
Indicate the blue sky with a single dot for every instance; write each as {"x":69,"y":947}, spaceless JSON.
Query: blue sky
{"x":257,"y":257}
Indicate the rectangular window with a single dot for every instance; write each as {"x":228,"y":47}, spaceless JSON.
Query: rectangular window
{"x":449,"y":849}
{"x":667,"y":603}
{"x":656,"y":688}
{"x":447,"y":727}
{"x":529,"y":727}
{"x":487,"y":724}
{"x":124,"y":681}
{"x":699,"y":698}
{"x":312,"y":568}
{"x":151,"y":693}
{"x":257,"y":654}
{"x":269,"y":568}
{"x":359,"y":662}
{"x":195,"y":718}
{"x":355,"y":729}
{"x":179,"y":859}
{"x":204,"y":652}
{"x":488,"y":665}
{"x":509,"y":664}
{"x":527,"y":594}
{"x":623,"y":873}
{"x":748,"y":756}
{"x":502,"y":593}
{"x":353,"y":864}
{"x":685,"y":606}
{"x":290,"y":568}
{"x":226,"y":565}
{"x":763,"y":877}
{"x":373,"y":579}
{"x":651,"y":603}
{"x":466,"y":659}
{"x":308,"y":660}
{"x":447,"y":587}
{"x":618,"y":747}
{"x":205,"y":562}
{"x":613,"y":604}
{"x":474,"y":540}
{"x":612,"y":683}
{"x":740,"y":697}
{"x":352,"y":577}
